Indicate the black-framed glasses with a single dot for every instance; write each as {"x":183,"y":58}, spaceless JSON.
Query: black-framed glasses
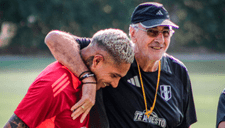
{"x":154,"y":33}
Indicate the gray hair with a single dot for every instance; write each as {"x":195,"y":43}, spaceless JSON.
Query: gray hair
{"x":116,"y":43}
{"x":135,"y":26}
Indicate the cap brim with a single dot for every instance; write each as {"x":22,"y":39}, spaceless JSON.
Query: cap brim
{"x":158,"y":22}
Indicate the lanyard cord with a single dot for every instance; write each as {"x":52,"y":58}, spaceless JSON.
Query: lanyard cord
{"x":148,"y":113}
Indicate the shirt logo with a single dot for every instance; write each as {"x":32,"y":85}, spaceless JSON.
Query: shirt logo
{"x":152,"y":119}
{"x":134,"y":81}
{"x":165,"y":92}
{"x":159,"y":13}
{"x":60,"y":84}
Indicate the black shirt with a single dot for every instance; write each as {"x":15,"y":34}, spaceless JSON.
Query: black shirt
{"x":174,"y":106}
{"x":221,"y":109}
{"x":125,"y":106}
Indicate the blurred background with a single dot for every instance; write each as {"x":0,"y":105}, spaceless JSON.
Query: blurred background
{"x":199,"y":43}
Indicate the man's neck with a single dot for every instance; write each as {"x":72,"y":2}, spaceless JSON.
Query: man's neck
{"x":147,"y":65}
{"x":84,"y":56}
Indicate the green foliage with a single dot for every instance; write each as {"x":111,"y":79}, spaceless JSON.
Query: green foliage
{"x":201,"y":23}
{"x":204,"y":23}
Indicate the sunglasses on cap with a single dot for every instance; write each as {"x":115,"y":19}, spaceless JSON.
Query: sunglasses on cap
{"x":154,"y":33}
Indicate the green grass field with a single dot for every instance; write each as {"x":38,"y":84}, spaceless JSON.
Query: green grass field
{"x":16,"y":74}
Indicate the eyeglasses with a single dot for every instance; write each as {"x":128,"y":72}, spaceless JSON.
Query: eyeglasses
{"x":155,"y":33}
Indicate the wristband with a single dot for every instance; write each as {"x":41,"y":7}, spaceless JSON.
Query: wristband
{"x":89,"y":83}
{"x":83,"y":73}
{"x":86,"y":76}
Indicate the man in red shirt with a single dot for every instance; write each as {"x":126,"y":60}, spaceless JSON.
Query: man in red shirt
{"x":50,"y":97}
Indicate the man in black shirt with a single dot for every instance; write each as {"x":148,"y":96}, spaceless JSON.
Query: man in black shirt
{"x":220,"y":118}
{"x":156,"y":92}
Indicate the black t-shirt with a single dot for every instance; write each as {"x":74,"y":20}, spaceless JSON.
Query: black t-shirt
{"x":174,"y":107}
{"x":83,"y":42}
{"x":221,"y":109}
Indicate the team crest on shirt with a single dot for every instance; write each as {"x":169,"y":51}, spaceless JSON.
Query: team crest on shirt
{"x":165,"y":92}
{"x":152,"y":119}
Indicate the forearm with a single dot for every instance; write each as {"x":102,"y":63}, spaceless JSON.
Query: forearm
{"x":15,"y":122}
{"x":222,"y":124}
{"x":66,"y":50}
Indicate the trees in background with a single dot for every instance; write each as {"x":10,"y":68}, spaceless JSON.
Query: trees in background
{"x":201,"y":23}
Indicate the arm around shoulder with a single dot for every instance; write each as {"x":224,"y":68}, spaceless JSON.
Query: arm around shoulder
{"x":66,"y":50}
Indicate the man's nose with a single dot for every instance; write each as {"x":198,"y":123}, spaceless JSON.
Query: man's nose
{"x":115,"y":83}
{"x":160,"y":38}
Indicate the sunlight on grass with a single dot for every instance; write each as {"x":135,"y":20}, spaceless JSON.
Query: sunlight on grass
{"x":207,"y":77}
{"x":13,"y":88}
{"x":206,"y":89}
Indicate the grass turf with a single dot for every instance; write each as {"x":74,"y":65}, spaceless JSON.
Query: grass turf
{"x":207,"y":77}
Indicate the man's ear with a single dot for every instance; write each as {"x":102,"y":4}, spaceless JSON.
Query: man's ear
{"x":132,"y":32}
{"x":98,"y":60}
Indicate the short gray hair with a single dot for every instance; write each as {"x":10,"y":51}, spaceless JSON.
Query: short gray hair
{"x":135,"y":26}
{"x":116,"y":43}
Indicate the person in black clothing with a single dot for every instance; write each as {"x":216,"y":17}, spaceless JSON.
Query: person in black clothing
{"x":220,"y":118}
{"x":156,"y":92}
